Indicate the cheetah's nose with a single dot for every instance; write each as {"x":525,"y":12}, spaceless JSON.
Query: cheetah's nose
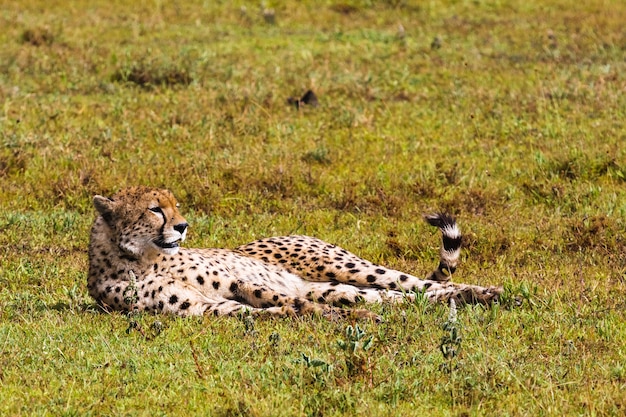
{"x":181,"y":227}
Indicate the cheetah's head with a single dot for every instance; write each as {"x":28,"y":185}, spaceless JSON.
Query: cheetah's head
{"x":142,"y":219}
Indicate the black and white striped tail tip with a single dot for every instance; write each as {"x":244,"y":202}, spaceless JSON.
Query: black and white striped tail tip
{"x":450,"y":231}
{"x":441,"y":220}
{"x":451,"y":241}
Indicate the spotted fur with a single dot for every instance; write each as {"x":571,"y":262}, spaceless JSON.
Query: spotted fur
{"x":139,"y":229}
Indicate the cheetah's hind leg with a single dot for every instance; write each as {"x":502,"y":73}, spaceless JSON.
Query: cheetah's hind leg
{"x":339,"y":294}
{"x":262,"y":300}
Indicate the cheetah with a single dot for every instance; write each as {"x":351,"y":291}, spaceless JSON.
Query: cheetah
{"x":138,"y":231}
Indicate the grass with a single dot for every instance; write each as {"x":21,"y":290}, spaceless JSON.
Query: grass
{"x":507,"y":114}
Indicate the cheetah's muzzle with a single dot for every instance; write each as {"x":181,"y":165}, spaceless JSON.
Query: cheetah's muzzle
{"x":166,"y":245}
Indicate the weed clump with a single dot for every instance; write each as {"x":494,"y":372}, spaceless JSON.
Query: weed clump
{"x":318,"y":155}
{"x":147,"y":77}
{"x":355,"y":348}
{"x":37,"y":37}
{"x":593,"y":233}
{"x":12,"y":162}
{"x":344,"y":8}
{"x":450,"y":344}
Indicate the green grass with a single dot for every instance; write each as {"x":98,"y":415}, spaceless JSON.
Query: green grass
{"x":512,"y":119}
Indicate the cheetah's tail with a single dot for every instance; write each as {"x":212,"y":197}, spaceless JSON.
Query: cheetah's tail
{"x":450,"y":248}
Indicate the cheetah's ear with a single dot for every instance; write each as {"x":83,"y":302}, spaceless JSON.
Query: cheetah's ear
{"x":104,"y":206}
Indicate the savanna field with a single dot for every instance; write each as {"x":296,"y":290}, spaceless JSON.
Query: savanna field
{"x":509,"y":115}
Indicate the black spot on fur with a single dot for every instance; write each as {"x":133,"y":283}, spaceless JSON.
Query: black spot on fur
{"x":239,"y":299}
{"x":173,"y":299}
{"x":380,"y":271}
{"x":330,"y":275}
{"x":233,"y":287}
{"x":216,"y":284}
{"x":371,"y":278}
{"x":403,"y":278}
{"x":200,"y":280}
{"x":258,"y":293}
{"x":185,"y":305}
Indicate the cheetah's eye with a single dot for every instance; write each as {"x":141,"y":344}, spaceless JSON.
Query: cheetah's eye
{"x":157,"y":210}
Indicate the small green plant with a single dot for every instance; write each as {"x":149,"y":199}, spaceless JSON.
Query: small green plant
{"x":319,"y":155}
{"x":274,"y":339}
{"x":73,"y":295}
{"x":450,"y":344}
{"x":130,"y":293}
{"x":131,"y":297}
{"x":422,"y":302}
{"x":318,"y":370}
{"x":316,"y":363}
{"x":248,"y":323}
{"x":355,"y":349}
